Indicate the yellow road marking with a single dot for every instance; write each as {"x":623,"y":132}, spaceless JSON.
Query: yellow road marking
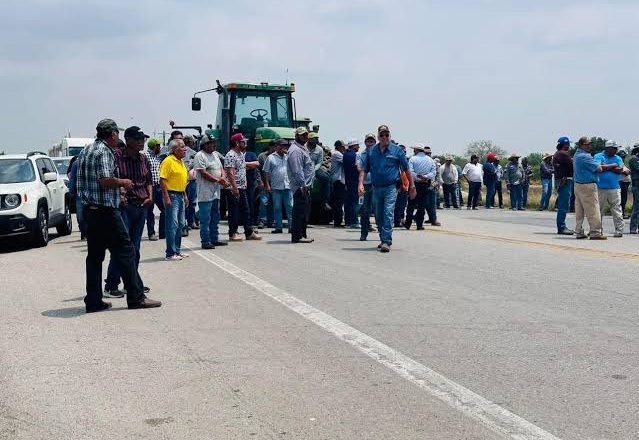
{"x":561,"y":247}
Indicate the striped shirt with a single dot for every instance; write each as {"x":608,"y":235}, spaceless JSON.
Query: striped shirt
{"x":97,"y":161}
{"x":154,"y":165}
{"x":137,"y":170}
{"x":422,"y":165}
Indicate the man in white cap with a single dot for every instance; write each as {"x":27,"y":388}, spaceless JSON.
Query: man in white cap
{"x":367,"y":198}
{"x":423,"y":170}
{"x":351,"y":178}
{"x":608,"y":186}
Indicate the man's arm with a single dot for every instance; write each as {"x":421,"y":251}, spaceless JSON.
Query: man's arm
{"x":165,"y":192}
{"x":231,"y":173}
{"x":252,"y":165}
{"x":296,"y":167}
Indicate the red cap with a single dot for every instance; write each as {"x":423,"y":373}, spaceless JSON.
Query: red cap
{"x":491,"y":156}
{"x":238,"y":137}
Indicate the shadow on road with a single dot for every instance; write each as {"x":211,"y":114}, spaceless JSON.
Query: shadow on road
{"x":73,"y":312}
{"x":366,"y":249}
{"x":21,"y":243}
{"x":79,"y":298}
{"x":279,"y":242}
{"x":153,"y":260}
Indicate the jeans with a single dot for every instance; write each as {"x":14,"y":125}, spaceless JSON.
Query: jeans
{"x":500,"y":194}
{"x":239,"y":211}
{"x":150,"y":216}
{"x":106,"y":230}
{"x":431,"y":204}
{"x":175,"y":221}
{"x":624,"y":196}
{"x":474,"y":189}
{"x":419,"y":203}
{"x":401,"y":201}
{"x":384,"y":198}
{"x":490,"y":194}
{"x":546,"y":192}
{"x":325,"y":185}
{"x":634,"y":217}
{"x":266,"y":209}
{"x":524,"y":195}
{"x":209,"y":221}
{"x":191,"y":194}
{"x":365,"y":210}
{"x":450,"y":195}
{"x":79,"y":215}
{"x":563,"y":202}
{"x":338,"y":196}
{"x":282,"y":196}
{"x":250,"y":198}
{"x":301,"y":206}
{"x":516,"y":194}
{"x":133,"y":217}
{"x":350,"y":207}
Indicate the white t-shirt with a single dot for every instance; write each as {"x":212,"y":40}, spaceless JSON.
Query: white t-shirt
{"x":207,"y":191}
{"x":474,"y":172}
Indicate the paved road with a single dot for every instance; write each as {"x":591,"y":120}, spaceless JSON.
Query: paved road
{"x":487,"y":328}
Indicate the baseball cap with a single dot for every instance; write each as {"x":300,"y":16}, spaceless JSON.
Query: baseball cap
{"x":611,"y":144}
{"x":491,"y":156}
{"x":382,"y":128}
{"x":338,"y":143}
{"x":282,"y":141}
{"x":238,"y":137}
{"x":418,"y":146}
{"x":207,"y":138}
{"x":563,"y":140}
{"x":352,"y":142}
{"x":107,"y":125}
{"x":313,"y":135}
{"x":153,"y":142}
{"x":135,"y":132}
{"x":370,"y":136}
{"x":301,"y":131}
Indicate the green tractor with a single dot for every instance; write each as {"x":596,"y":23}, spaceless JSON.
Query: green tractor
{"x":261,"y":112}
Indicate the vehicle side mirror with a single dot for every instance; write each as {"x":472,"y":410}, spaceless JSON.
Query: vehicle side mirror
{"x":196,"y":104}
{"x":50,"y":177}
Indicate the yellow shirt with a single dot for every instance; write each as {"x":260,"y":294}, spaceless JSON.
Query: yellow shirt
{"x":174,"y":172}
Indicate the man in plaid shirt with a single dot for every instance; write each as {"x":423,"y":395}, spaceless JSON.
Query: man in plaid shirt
{"x":99,"y":187}
{"x":153,"y":154}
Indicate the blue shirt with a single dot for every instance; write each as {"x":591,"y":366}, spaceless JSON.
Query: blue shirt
{"x":585,"y":167}
{"x":360,"y":158}
{"x":421,"y":164}
{"x":608,"y":179}
{"x":251,"y":175}
{"x":384,"y":166}
{"x":276,"y":168}
{"x":490,"y":173}
{"x":351,"y":175}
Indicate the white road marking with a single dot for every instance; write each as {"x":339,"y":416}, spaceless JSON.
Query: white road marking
{"x":493,"y":416}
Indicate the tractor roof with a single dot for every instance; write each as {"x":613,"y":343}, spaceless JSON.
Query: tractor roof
{"x":260,"y":86}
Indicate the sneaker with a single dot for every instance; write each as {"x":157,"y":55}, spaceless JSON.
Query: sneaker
{"x":327,"y":207}
{"x":435,"y":223}
{"x":220,"y":243}
{"x":633,"y":232}
{"x":173,"y":258}
{"x":581,"y":236}
{"x":363,"y":237}
{"x":113,"y":293}
{"x":253,"y":236}
{"x":384,"y":248}
{"x":598,"y":237}
{"x":566,"y":231}
{"x":236,"y":237}
{"x":276,"y":231}
{"x":194,"y":226}
{"x":183,"y":255}
{"x":618,"y":235}
{"x":153,"y":237}
{"x":208,"y":246}
{"x":260,"y":225}
{"x":304,"y":240}
{"x":420,"y":228}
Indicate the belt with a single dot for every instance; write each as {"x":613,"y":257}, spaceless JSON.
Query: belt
{"x":584,"y":183}
{"x":176,"y":192}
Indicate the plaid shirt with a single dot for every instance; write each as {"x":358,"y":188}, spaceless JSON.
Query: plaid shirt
{"x":137,"y":170}
{"x":96,"y":162}
{"x":154,"y":165}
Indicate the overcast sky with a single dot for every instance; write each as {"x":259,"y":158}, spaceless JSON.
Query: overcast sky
{"x":521,"y":73}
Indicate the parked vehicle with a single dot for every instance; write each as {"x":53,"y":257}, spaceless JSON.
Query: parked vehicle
{"x":33,"y":198}
{"x":69,"y":147}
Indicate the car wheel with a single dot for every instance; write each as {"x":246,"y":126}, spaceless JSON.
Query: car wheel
{"x":41,"y":228}
{"x":66,"y":227}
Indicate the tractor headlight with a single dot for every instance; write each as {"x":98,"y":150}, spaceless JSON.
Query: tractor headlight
{"x":12,"y":201}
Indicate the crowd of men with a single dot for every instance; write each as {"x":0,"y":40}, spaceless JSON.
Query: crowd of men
{"x":119,"y":185}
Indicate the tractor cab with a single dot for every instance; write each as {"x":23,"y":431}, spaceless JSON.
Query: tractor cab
{"x":261,"y":112}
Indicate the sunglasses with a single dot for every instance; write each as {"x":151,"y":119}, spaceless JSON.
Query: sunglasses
{"x":384,"y":135}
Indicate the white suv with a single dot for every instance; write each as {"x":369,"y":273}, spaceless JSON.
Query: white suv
{"x":33,"y":198}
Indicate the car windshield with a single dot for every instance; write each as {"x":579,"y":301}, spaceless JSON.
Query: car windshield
{"x":16,"y":171}
{"x":261,"y":109}
{"x":62,"y":165}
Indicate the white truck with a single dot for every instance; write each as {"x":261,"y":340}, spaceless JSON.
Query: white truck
{"x":69,"y":146}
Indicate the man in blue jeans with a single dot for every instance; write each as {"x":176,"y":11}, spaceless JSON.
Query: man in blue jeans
{"x":210,"y":179}
{"x":545,"y":173}
{"x":384,"y":162}
{"x":277,"y":184}
{"x":563,"y":169}
{"x":490,"y":179}
{"x":133,"y":165}
{"x":351,"y":177}
{"x":514,"y":181}
{"x":367,"y":199}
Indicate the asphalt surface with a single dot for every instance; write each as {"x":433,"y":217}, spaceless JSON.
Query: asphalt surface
{"x":542,"y":327}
